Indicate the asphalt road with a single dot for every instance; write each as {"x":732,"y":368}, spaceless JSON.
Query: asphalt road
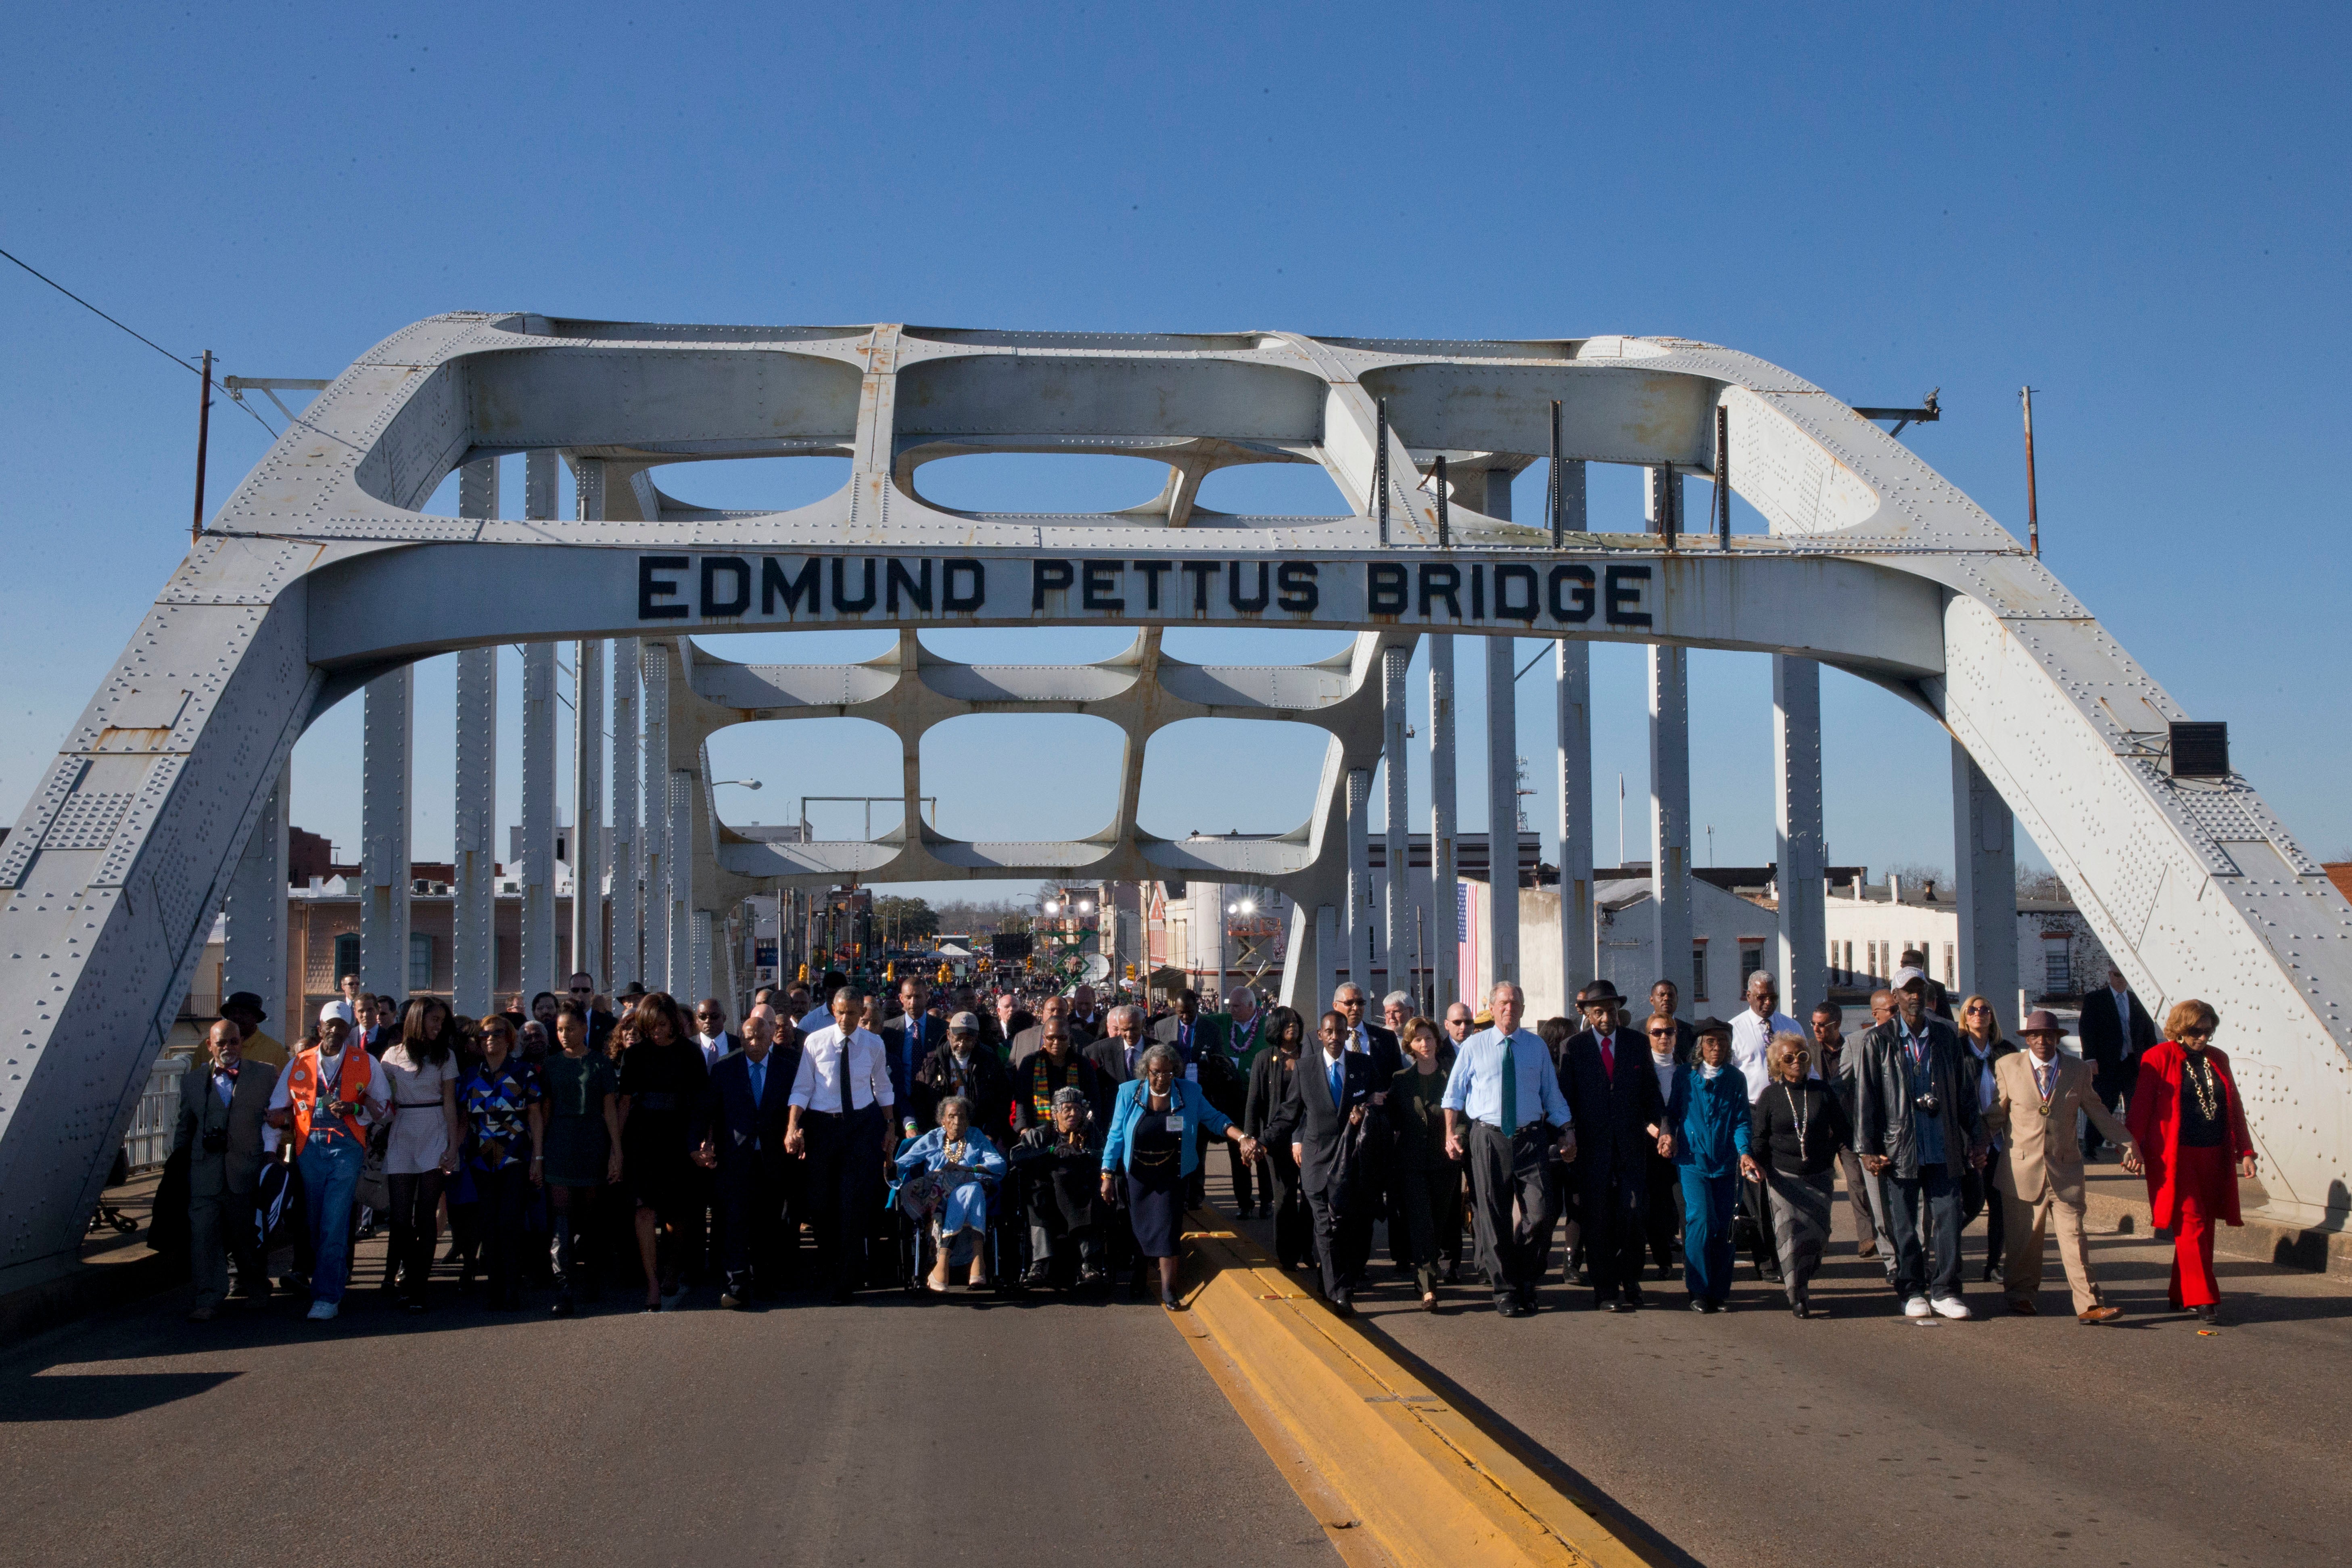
{"x":1755,"y":1439}
{"x":889,"y":1431}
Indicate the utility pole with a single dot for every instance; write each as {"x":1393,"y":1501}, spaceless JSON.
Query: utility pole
{"x":2032,"y":510}
{"x":204,"y":431}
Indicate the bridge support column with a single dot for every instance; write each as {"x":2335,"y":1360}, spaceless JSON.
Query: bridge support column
{"x":387,"y":725}
{"x":1326,"y":960}
{"x":1445,"y":909}
{"x":588,"y":809}
{"x":626,"y":961}
{"x":700,"y":958}
{"x":537,"y":856}
{"x":254,"y":958}
{"x":685,"y":933}
{"x":1984,"y":845}
{"x":473,"y":924}
{"x":1804,"y":940}
{"x":1574,"y":671}
{"x":1502,"y":811}
{"x":1359,"y":880}
{"x":1397,"y":933}
{"x":1670,"y":909}
{"x":655,"y":672}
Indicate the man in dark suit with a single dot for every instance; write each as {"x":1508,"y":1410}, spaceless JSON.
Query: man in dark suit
{"x":746,"y":1114}
{"x":1371,"y":1039}
{"x":1005,"y":1020}
{"x":223,"y":1100}
{"x":1116,"y":1054}
{"x":913,"y":1035}
{"x":1605,"y":1073}
{"x":1332,"y":1094}
{"x":2115,"y":1028}
{"x":582,"y":988}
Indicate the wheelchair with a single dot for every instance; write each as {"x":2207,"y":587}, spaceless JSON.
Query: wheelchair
{"x":914,"y":1200}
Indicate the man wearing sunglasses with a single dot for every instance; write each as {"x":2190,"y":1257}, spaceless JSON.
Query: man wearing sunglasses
{"x":582,"y":988}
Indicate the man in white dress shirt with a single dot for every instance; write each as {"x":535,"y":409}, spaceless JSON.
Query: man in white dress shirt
{"x":1502,"y":1103}
{"x":839,"y":1121}
{"x":1751,"y":1041}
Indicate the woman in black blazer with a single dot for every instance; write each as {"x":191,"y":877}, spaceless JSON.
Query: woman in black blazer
{"x":1286,"y":1035}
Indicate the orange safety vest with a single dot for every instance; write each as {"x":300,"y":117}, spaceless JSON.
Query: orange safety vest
{"x":302,"y":1087}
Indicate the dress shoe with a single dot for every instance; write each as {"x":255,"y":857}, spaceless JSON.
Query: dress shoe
{"x":203,"y":1315}
{"x":2099,"y":1314}
{"x":2023,"y":1308}
{"x":1797,"y":1310}
{"x":2211,"y":1312}
{"x":563,"y":1308}
{"x":731,"y":1302}
{"x":1037,"y":1276}
{"x":1092,"y":1275}
{"x":1866,"y":1253}
{"x":1985,"y":1277}
{"x":1167,"y":1300}
{"x":1634,"y":1300}
{"x":1506,"y":1304}
{"x":1343,"y":1305}
{"x":1622,"y":1304}
{"x":1698,"y":1304}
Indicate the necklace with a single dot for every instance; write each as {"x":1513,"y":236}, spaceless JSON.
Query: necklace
{"x":1797,"y":1115}
{"x":2206,"y":1085}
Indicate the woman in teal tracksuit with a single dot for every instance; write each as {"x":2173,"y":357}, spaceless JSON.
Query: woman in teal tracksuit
{"x":1154,"y":1139}
{"x":1707,"y":1134}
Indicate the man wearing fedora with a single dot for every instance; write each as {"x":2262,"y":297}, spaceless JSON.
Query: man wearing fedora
{"x":1612,"y":1089}
{"x":223,"y":1099}
{"x":2039,"y":1165}
{"x":243,"y":1008}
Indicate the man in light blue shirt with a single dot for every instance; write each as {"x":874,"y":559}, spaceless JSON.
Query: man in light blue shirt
{"x":1502,"y":1103}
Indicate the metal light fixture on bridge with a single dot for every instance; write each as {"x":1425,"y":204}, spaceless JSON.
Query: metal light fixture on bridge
{"x":747,"y":784}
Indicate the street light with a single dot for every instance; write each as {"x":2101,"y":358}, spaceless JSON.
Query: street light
{"x":1053,"y":908}
{"x":747,"y":784}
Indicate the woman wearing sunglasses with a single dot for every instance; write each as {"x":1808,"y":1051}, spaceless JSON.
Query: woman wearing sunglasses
{"x":1983,"y":1047}
{"x":1796,"y":1128}
{"x":2191,"y":1127}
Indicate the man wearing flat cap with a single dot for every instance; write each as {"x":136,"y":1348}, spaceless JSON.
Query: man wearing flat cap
{"x":2039,"y":1168}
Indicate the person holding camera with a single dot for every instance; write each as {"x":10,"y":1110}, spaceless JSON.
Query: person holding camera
{"x":327,"y":1098}
{"x":223,"y":1101}
{"x":1918,"y":1130}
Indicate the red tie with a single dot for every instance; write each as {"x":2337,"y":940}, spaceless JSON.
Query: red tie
{"x":1609,"y":1057}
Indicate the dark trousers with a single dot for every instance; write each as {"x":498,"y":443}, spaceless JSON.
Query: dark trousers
{"x":1294,"y":1233}
{"x":1431,"y":1205}
{"x":1925,"y":1264}
{"x":1343,"y":1234}
{"x":2108,"y":1082}
{"x":1511,"y":1250}
{"x":415,"y":1199}
{"x":1064,"y":1213}
{"x":757,"y":1241}
{"x":572,"y":1212}
{"x":1977,"y":1196}
{"x":1756,"y":1209}
{"x":221,"y":1228}
{"x":844,"y":1165}
{"x":1665,"y":1209}
{"x":1615,"y":1206}
{"x":1243,"y":1186}
{"x":505,"y":1191}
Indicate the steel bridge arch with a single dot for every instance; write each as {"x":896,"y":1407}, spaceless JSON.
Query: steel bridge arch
{"x":318,"y":573}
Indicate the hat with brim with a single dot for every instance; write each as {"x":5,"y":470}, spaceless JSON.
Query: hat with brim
{"x":2041,"y":1021}
{"x":1711,"y":1026}
{"x":1599,"y":991}
{"x":244,"y":1001}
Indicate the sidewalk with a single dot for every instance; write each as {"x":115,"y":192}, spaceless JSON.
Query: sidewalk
{"x":2116,"y":1204}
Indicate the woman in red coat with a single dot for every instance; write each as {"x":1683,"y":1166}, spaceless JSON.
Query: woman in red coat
{"x":2190,"y":1125}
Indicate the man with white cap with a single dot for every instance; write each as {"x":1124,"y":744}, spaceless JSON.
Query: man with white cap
{"x":326,"y":1099}
{"x":2039,"y":1171}
{"x":1917,"y":1131}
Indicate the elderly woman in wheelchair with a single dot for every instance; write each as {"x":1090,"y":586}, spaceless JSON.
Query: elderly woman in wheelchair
{"x":949,"y":1176}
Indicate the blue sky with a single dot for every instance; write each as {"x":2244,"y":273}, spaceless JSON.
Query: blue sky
{"x":2140,"y":211}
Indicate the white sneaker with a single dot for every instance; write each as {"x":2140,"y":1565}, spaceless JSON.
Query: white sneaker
{"x":1916,"y":1307}
{"x":1951,"y":1306}
{"x":322,"y":1311}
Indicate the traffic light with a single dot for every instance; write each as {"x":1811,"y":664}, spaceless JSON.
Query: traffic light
{"x":890,"y":969}
{"x":804,"y":979}
{"x":1130,"y":970}
{"x":946,"y":974}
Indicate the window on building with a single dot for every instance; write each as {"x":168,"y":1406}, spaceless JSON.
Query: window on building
{"x":347,"y":959}
{"x":1751,"y":959}
{"x":1699,"y":972}
{"x":420,"y":961}
{"x":2057,"y":969}
{"x":1849,"y":963}
{"x":1951,"y":972}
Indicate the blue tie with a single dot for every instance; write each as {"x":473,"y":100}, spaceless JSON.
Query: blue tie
{"x":759,"y":1080}
{"x":1338,"y":1081}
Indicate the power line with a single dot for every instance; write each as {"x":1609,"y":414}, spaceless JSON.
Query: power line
{"x":142,"y":337}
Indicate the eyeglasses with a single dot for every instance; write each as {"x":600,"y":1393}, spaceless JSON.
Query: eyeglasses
{"x":1662,"y":1034}
{"x":2197,"y":1034}
{"x":1976,"y":1007}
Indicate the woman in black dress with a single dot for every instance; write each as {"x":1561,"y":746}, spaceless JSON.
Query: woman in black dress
{"x":1795,"y":1130}
{"x":662,"y":1080}
{"x":1285,"y":1037}
{"x":583,"y":1147}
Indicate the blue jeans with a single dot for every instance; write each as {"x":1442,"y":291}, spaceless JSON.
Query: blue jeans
{"x":1923,"y":1266}
{"x":331,"y":1175}
{"x":1708,"y":1204}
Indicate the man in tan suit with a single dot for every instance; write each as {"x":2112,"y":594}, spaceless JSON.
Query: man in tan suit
{"x":2040,"y":1165}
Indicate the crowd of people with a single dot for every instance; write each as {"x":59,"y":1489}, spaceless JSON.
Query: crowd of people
{"x":1003,"y":1142}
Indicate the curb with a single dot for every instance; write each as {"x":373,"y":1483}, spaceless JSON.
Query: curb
{"x":81,"y":1289}
{"x":1391,"y":1468}
{"x":2327,"y":1252}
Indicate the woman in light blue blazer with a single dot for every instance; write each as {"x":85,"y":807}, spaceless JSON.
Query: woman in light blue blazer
{"x":1155,"y":1127}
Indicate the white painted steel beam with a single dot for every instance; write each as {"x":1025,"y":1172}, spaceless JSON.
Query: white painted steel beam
{"x":1984,"y":848}
{"x":588,"y":810}
{"x":654,"y":671}
{"x":475,"y":806}
{"x":1670,"y":834}
{"x":1444,"y":904}
{"x":253,"y":955}
{"x":627,"y":862}
{"x":1801,"y":944}
{"x":1502,"y":809}
{"x":1573,"y":673}
{"x":539,"y":714}
{"x":1396,"y":917}
{"x":320,"y":574}
{"x":1359,"y":880}
{"x":387,"y":735}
